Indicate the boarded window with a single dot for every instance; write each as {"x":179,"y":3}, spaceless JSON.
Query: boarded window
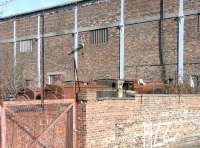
{"x":26,"y":46}
{"x":99,"y":36}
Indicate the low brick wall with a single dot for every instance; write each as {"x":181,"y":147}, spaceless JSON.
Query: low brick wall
{"x":144,"y":121}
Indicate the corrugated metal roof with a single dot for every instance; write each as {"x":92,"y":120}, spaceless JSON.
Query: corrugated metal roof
{"x":42,"y":9}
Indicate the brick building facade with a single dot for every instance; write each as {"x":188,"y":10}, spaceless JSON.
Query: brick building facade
{"x":150,"y":40}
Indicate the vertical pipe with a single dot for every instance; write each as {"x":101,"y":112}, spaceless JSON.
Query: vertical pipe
{"x":14,"y":52}
{"x":42,"y":61}
{"x":3,"y":128}
{"x":76,"y":34}
{"x":198,"y":23}
{"x":38,"y":53}
{"x":181,"y":42}
{"x":122,"y":30}
{"x":161,"y":41}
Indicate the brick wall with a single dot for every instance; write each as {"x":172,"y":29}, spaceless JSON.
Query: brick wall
{"x":99,"y":13}
{"x":128,"y":122}
{"x":142,"y":52}
{"x":6,"y":64}
{"x":101,"y":61}
{"x":26,"y":26}
{"x":6,"y":29}
{"x":56,"y":57}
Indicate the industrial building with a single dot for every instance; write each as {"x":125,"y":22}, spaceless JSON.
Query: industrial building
{"x":82,"y":41}
{"x":150,"y":40}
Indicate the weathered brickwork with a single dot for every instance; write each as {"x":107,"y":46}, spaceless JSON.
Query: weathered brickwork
{"x":100,"y":61}
{"x":6,"y":29}
{"x":56,"y":56}
{"x":26,"y":62}
{"x":26,"y":26}
{"x":101,"y":13}
{"x":58,"y":21}
{"x":165,"y":120}
{"x":142,"y":40}
{"x":192,"y":5}
{"x":6,"y":64}
{"x":137,"y":8}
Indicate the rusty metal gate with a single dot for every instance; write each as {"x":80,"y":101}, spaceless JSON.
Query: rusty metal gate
{"x":32,"y":125}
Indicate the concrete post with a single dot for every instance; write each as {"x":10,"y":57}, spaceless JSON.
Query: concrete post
{"x":76,"y":35}
{"x":120,"y":88}
{"x":122,"y":32}
{"x":14,"y":51}
{"x":181,"y":42}
{"x":39,"y":53}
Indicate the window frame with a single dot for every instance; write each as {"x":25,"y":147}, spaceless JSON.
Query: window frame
{"x":50,"y":74}
{"x":26,"y":46}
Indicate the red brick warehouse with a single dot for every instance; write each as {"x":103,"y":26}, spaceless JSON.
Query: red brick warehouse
{"x":150,"y":52}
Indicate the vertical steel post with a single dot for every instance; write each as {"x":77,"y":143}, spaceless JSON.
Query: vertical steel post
{"x":122,"y":32}
{"x":39,"y":53}
{"x":181,"y":42}
{"x":76,"y":34}
{"x":14,"y":51}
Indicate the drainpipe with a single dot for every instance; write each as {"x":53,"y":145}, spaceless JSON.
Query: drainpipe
{"x":14,"y":52}
{"x":181,"y":42}
{"x":122,"y":30}
{"x":39,"y":53}
{"x":161,"y":41}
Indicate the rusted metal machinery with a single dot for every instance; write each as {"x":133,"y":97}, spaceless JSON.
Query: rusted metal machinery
{"x":54,"y":92}
{"x":65,"y":91}
{"x":25,"y":94}
{"x":139,"y":86}
{"x":50,"y":92}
